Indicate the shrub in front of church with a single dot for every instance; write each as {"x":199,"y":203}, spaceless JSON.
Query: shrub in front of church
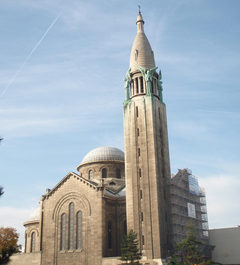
{"x":130,"y":253}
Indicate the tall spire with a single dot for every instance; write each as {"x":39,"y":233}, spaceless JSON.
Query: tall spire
{"x":147,"y":166}
{"x":141,"y":54}
{"x":140,"y":23}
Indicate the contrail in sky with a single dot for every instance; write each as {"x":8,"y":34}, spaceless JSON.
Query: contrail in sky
{"x":29,"y":56}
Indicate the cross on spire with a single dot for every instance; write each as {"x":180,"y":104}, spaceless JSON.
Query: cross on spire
{"x":139,"y":9}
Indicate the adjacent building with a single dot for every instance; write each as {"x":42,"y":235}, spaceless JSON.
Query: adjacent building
{"x":226,"y":242}
{"x":188,"y":205}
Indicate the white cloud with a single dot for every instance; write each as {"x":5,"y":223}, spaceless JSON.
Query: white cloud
{"x":15,"y":217}
{"x":75,"y":13}
{"x":27,"y":127}
{"x":222,"y":193}
{"x":189,"y":129}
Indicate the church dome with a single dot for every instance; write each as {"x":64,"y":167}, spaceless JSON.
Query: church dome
{"x":103,"y":153}
{"x":35,"y":215}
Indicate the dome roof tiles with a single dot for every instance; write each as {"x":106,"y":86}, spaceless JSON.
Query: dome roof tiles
{"x":35,"y":215}
{"x":103,"y":153}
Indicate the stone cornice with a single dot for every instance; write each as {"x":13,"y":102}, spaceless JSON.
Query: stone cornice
{"x":70,"y":174}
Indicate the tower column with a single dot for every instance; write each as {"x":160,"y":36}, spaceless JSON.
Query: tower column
{"x":147,"y":166}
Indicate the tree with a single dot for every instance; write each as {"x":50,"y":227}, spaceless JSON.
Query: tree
{"x":191,"y":251}
{"x":129,"y":249}
{"x":8,"y":243}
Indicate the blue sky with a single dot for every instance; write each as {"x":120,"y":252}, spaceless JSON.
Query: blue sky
{"x":61,"y":91}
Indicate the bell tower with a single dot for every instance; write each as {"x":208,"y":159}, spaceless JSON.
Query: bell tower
{"x":147,"y":165}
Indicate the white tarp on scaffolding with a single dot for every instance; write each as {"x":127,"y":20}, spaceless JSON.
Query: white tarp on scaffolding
{"x":191,"y":210}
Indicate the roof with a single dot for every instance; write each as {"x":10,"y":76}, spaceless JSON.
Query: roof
{"x":88,"y":182}
{"x":141,"y":54}
{"x":120,"y":194}
{"x":35,"y":215}
{"x":104,"y":153}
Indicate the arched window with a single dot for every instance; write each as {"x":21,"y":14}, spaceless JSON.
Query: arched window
{"x":90,"y":174}
{"x":118,"y":173}
{"x":79,"y":230}
{"x":63,"y":232}
{"x":71,"y":226}
{"x":137,"y":89}
{"x":33,"y":242}
{"x":109,"y":234}
{"x":104,"y":173}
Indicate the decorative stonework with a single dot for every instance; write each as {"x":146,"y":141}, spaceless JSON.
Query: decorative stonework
{"x":127,"y":81}
{"x":148,"y":77}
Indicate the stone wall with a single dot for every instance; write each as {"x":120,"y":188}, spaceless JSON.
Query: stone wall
{"x":86,"y":198}
{"x":227,"y":245}
{"x":144,"y":261}
{"x":147,"y":173}
{"x":26,"y":259}
{"x":114,"y":211}
{"x":97,"y":167}
{"x":30,"y":228}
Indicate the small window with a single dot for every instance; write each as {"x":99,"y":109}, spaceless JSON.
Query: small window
{"x":139,"y":173}
{"x":143,"y":239}
{"x":139,"y":152}
{"x":136,"y":55}
{"x":90,"y":174}
{"x":162,"y":152}
{"x":110,"y":234}
{"x":137,"y":111}
{"x":118,"y":173}
{"x":138,"y":131}
{"x":140,"y":194}
{"x":125,"y":227}
{"x":142,"y":216}
{"x":141,"y":84}
{"x":104,"y":173}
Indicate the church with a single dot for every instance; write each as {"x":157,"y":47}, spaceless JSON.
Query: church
{"x":82,"y":220}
